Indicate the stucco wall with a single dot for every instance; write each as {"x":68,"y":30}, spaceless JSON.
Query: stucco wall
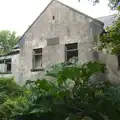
{"x":113,"y":73}
{"x":69,"y":26}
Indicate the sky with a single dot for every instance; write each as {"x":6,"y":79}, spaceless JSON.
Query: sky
{"x":17,"y":15}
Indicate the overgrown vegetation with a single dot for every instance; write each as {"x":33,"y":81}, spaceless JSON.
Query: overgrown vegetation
{"x":113,"y":4}
{"x":7,"y":41}
{"x":8,"y":90}
{"x":111,"y":39}
{"x":71,"y":95}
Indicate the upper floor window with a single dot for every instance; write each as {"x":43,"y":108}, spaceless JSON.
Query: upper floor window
{"x":37,"y":58}
{"x":71,"y":50}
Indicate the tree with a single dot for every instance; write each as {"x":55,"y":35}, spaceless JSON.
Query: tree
{"x":8,"y":89}
{"x":111,"y":39}
{"x":112,"y":3}
{"x":7,"y":41}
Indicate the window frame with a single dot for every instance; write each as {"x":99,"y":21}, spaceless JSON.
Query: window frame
{"x":70,"y":50}
{"x":5,"y":63}
{"x":34,"y":59}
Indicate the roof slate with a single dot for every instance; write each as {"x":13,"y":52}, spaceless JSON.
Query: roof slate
{"x":108,"y":20}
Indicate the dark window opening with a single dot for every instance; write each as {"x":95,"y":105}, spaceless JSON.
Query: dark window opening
{"x":38,"y":51}
{"x":71,"y":51}
{"x":8,"y":65}
{"x":118,"y":57}
{"x":53,"y":17}
{"x":72,"y":54}
{"x":1,"y":61}
{"x":37,"y":58}
{"x":71,"y":46}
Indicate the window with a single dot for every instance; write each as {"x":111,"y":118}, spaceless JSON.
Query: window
{"x":8,"y":65}
{"x":5,"y":66}
{"x":71,"y":50}
{"x":37,"y":58}
{"x":118,"y":57}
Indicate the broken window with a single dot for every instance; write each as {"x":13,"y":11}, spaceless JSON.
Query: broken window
{"x":37,"y":58}
{"x":71,"y":51}
{"x":8,"y":65}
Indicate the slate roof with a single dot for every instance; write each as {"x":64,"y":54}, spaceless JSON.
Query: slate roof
{"x":107,"y":20}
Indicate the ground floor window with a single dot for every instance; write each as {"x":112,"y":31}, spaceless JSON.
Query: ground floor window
{"x":5,"y":65}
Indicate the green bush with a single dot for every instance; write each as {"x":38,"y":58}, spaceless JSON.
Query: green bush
{"x":8,"y":90}
{"x":70,"y":96}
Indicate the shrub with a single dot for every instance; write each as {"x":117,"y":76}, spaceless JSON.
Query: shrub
{"x":70,"y":96}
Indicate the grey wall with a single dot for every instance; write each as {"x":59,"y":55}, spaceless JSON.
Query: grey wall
{"x":69,"y":26}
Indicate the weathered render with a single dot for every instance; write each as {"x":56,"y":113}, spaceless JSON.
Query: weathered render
{"x":65,"y":24}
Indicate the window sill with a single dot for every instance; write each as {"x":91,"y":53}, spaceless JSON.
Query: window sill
{"x":5,"y":72}
{"x":37,"y":69}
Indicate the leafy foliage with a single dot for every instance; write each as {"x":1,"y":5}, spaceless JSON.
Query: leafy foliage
{"x":111,"y":39}
{"x":8,"y":89}
{"x":70,"y":96}
{"x":113,"y":4}
{"x":7,"y":41}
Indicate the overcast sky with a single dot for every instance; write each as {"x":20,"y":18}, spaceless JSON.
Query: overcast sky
{"x":17,"y":15}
